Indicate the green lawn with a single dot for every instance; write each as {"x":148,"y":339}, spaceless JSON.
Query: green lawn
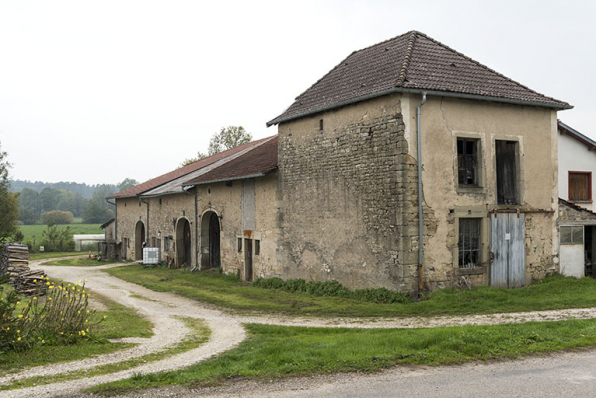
{"x":80,"y":262}
{"x":551,"y":293}
{"x":120,"y":322}
{"x":276,"y":351}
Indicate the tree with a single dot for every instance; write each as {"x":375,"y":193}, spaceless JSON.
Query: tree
{"x":9,"y":205}
{"x":57,"y":239}
{"x":227,"y":138}
{"x":29,"y":206}
{"x":127,"y":183}
{"x":56,"y":217}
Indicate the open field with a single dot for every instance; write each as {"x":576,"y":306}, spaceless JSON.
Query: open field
{"x":79,"y":262}
{"x":554,"y":292}
{"x":30,"y":230}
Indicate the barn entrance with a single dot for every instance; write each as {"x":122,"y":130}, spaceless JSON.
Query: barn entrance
{"x":210,"y":240}
{"x":183,"y":243}
{"x":139,"y":240}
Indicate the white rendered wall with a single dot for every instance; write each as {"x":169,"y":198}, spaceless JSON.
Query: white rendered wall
{"x":575,"y":156}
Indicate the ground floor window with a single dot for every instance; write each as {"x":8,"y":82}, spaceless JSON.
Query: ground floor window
{"x":469,"y":242}
{"x":572,"y":235}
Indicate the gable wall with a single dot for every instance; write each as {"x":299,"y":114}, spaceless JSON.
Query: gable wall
{"x":349,"y":194}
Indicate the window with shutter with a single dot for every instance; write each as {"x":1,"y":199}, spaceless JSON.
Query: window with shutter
{"x":580,"y":186}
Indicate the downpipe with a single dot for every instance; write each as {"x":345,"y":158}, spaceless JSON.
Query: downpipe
{"x":420,"y":215}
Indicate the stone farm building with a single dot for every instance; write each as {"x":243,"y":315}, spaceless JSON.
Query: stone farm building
{"x":335,"y":195}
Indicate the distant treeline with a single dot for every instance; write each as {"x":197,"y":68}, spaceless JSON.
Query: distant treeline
{"x":58,"y":203}
{"x":86,"y":191}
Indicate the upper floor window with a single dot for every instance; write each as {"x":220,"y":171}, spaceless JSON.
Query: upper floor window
{"x":506,"y":159}
{"x":467,"y":162}
{"x":580,"y":186}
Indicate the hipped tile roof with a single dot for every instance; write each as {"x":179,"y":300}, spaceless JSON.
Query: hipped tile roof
{"x":410,"y":62}
{"x":258,"y":161}
{"x":182,"y":171}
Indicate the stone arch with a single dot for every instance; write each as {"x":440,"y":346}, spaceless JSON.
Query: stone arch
{"x":139,"y":239}
{"x":183,"y":243}
{"x":210,"y":240}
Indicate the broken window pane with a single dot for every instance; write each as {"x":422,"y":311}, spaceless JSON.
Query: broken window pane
{"x":577,"y":235}
{"x":467,"y":161}
{"x":565,"y":235}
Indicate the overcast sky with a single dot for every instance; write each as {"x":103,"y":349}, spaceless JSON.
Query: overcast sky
{"x":99,"y":91}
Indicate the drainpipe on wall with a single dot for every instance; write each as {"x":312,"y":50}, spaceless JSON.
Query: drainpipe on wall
{"x":196,"y":228}
{"x":115,"y":219}
{"x":147,"y":232}
{"x":420,"y":216}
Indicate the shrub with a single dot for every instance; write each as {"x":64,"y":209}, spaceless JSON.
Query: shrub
{"x":62,"y":319}
{"x":333,"y":289}
{"x":56,"y":217}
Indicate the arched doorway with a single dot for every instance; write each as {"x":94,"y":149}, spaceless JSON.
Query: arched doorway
{"x":210,"y":231}
{"x":139,"y":240}
{"x":183,"y":243}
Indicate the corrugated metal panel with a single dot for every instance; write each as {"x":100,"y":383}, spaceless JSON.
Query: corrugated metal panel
{"x":508,"y":268}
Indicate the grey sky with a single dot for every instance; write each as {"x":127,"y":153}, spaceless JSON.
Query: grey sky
{"x":98,"y":91}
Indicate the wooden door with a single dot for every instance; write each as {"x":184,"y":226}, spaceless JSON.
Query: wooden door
{"x":508,"y":267}
{"x":248,"y":259}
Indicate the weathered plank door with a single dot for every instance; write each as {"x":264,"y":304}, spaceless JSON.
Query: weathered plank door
{"x":508,"y":268}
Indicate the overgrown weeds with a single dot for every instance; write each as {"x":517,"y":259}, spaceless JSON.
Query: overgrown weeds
{"x":61,"y":318}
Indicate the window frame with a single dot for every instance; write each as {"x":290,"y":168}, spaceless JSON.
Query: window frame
{"x":572,"y":241}
{"x":461,"y":248}
{"x":589,"y":188}
{"x":476,"y":161}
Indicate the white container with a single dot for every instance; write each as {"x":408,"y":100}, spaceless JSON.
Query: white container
{"x":151,"y":255}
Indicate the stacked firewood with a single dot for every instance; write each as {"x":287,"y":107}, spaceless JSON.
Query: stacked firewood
{"x":14,"y":262}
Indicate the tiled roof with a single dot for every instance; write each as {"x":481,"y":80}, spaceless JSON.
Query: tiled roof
{"x":565,"y":129}
{"x":257,"y":162}
{"x":575,"y":206}
{"x":182,"y":171}
{"x":410,"y":62}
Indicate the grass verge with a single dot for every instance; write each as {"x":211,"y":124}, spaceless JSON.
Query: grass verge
{"x":44,"y":255}
{"x":120,"y":322}
{"x":554,"y":292}
{"x":277,"y":351}
{"x":198,"y":335}
{"x":79,"y":262}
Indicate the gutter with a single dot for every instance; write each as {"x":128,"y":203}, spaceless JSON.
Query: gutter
{"x":196,"y":229}
{"x":420,"y":214}
{"x":418,"y":91}
{"x":115,"y":218}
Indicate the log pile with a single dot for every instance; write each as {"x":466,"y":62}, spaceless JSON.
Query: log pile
{"x":14,"y":263}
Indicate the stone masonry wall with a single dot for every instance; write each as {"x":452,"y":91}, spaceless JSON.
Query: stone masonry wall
{"x":350,"y":197}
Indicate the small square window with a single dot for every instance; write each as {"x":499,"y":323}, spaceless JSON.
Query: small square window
{"x":469,"y":242}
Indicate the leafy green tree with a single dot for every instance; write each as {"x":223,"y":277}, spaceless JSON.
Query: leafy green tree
{"x":56,"y":239}
{"x":94,"y":213}
{"x":227,"y":138}
{"x":9,"y":205}
{"x":29,"y":206}
{"x":127,"y":183}
{"x":49,"y":198}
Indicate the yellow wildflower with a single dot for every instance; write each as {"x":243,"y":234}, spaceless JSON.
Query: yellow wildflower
{"x":19,"y":339}
{"x":20,"y":316}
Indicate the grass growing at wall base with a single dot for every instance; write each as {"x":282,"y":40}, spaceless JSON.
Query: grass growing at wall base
{"x":555,"y":292}
{"x":276,"y":351}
